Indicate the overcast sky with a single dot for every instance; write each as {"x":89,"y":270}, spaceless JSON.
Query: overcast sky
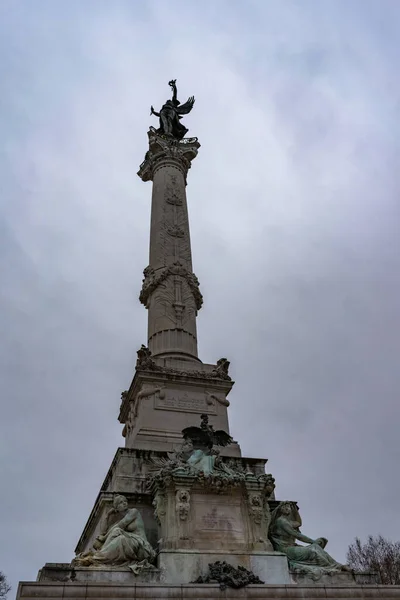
{"x":295,"y":215}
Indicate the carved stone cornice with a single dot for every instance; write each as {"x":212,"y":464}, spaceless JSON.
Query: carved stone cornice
{"x":165,"y":150}
{"x":153,"y":279}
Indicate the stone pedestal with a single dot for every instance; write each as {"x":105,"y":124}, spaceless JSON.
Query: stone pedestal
{"x":64,"y":572}
{"x":185,"y":566}
{"x":218,"y":512}
{"x":142,"y":591}
{"x":166,"y":396}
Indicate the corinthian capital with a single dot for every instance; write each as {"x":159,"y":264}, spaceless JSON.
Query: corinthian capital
{"x":165,"y":150}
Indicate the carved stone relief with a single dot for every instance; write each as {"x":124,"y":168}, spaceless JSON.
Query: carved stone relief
{"x":256,"y":506}
{"x":173,"y":193}
{"x":182,"y":506}
{"x":175,"y":231}
{"x":145,"y":392}
{"x":152,"y":280}
{"x":160,"y":507}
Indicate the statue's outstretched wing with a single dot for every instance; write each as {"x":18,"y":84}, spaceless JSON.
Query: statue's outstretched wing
{"x":197,"y":435}
{"x":184,"y":109}
{"x":221,"y":438}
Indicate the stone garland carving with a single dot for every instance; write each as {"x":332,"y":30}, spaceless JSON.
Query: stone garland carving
{"x":182,"y":504}
{"x":152,"y":280}
{"x":144,"y":362}
{"x":122,"y":544}
{"x":226,"y":575}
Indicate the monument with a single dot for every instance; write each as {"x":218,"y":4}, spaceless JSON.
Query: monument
{"x":181,"y":513}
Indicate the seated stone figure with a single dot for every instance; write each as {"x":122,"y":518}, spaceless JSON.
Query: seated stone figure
{"x":284,"y":530}
{"x":124,"y":543}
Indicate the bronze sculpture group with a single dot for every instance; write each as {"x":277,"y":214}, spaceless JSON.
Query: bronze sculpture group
{"x":171,"y":113}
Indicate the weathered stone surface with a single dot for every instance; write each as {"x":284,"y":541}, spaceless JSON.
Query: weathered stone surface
{"x":185,"y":566}
{"x":52,"y":591}
{"x":337,"y":578}
{"x":128,"y":475}
{"x":64,"y":572}
{"x":208,"y":513}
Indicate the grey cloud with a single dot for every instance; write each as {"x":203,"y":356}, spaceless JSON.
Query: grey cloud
{"x":294,"y":211}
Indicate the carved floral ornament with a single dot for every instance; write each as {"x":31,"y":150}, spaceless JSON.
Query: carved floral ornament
{"x":152,"y":280}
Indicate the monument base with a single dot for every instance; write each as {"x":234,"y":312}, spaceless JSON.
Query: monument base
{"x":142,"y":591}
{"x":336,"y":579}
{"x":66,"y":573}
{"x":185,"y":566}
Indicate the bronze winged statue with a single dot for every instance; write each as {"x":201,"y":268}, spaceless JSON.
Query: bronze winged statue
{"x":171,"y":114}
{"x":205,"y":436}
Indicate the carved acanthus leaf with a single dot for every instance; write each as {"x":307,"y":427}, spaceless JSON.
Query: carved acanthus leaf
{"x":162,"y":148}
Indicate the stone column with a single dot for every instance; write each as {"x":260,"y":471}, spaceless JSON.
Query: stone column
{"x":170,"y":290}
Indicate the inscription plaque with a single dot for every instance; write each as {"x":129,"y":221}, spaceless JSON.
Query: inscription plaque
{"x":185,"y":402}
{"x":218,"y":518}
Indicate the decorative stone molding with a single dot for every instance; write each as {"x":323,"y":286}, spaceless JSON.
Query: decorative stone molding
{"x":144,"y":362}
{"x":182,"y":505}
{"x":152,"y":280}
{"x":167,"y":150}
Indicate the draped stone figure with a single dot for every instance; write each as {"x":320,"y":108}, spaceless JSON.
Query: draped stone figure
{"x":124,"y":543}
{"x":171,"y":114}
{"x":312,"y":559}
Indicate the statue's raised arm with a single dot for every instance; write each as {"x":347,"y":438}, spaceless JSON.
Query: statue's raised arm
{"x":172,"y":83}
{"x":170,"y":114}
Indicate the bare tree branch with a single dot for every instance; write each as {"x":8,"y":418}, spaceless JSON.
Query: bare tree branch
{"x":4,"y":587}
{"x":377,"y":554}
